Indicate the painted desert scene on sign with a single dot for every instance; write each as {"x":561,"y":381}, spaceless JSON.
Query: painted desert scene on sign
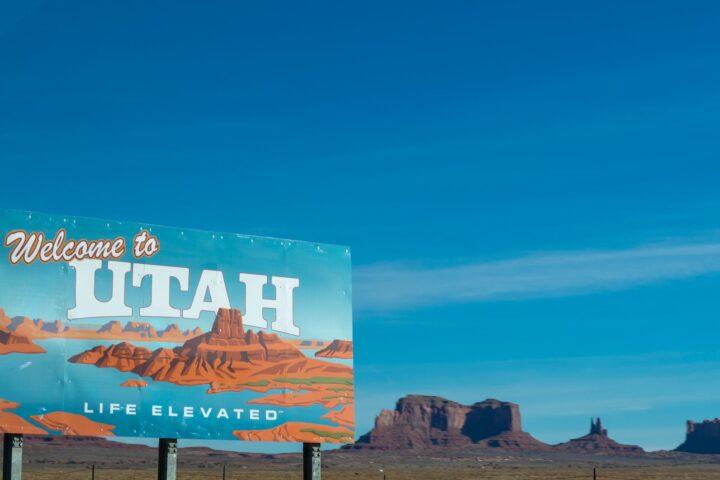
{"x":230,"y":382}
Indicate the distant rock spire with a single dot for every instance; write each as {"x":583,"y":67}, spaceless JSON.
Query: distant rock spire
{"x":596,"y":427}
{"x":598,"y":441}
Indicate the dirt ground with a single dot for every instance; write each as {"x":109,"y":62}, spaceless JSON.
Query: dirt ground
{"x":405,"y":473}
{"x":43,"y":462}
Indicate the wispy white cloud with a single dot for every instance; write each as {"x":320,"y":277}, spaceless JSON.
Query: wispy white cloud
{"x":397,"y":286}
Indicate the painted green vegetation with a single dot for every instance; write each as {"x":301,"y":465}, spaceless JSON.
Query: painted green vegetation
{"x":340,"y":436}
{"x":315,"y":380}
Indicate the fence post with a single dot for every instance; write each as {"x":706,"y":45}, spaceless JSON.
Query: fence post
{"x":223,"y":471}
{"x":12,"y":456}
{"x":311,"y":461}
{"x":594,"y":473}
{"x":167,"y":461}
{"x":93,"y":472}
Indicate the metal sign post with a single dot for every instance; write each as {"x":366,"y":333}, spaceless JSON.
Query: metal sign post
{"x":12,"y":456}
{"x":167,"y":462}
{"x":311,"y":461}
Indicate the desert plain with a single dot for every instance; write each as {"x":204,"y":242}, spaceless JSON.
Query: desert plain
{"x":73,"y":458}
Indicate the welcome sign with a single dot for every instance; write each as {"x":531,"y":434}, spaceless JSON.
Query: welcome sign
{"x":111,"y":328}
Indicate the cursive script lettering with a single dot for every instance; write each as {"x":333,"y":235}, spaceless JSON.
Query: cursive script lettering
{"x":29,"y":247}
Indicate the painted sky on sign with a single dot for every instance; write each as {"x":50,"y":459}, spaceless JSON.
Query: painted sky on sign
{"x":322,"y":311}
{"x":529,"y":189}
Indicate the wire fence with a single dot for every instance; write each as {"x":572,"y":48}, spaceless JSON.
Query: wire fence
{"x":225,"y":472}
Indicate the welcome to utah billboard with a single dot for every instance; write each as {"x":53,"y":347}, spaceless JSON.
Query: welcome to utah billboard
{"x":111,"y":328}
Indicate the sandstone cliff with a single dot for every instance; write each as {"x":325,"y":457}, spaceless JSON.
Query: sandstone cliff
{"x":298,"y":432}
{"x":422,"y":422}
{"x":172,"y":332}
{"x":337,"y":349}
{"x":13,"y":423}
{"x":309,"y":344}
{"x":4,"y":319}
{"x":134,"y":383}
{"x":702,"y":437}
{"x":73,"y":424}
{"x":113,"y":330}
{"x":35,"y":328}
{"x":143,"y":329}
{"x":11,"y":342}
{"x":114,"y":327}
{"x":123,"y":356}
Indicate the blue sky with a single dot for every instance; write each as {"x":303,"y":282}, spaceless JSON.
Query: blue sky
{"x":546,"y":174}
